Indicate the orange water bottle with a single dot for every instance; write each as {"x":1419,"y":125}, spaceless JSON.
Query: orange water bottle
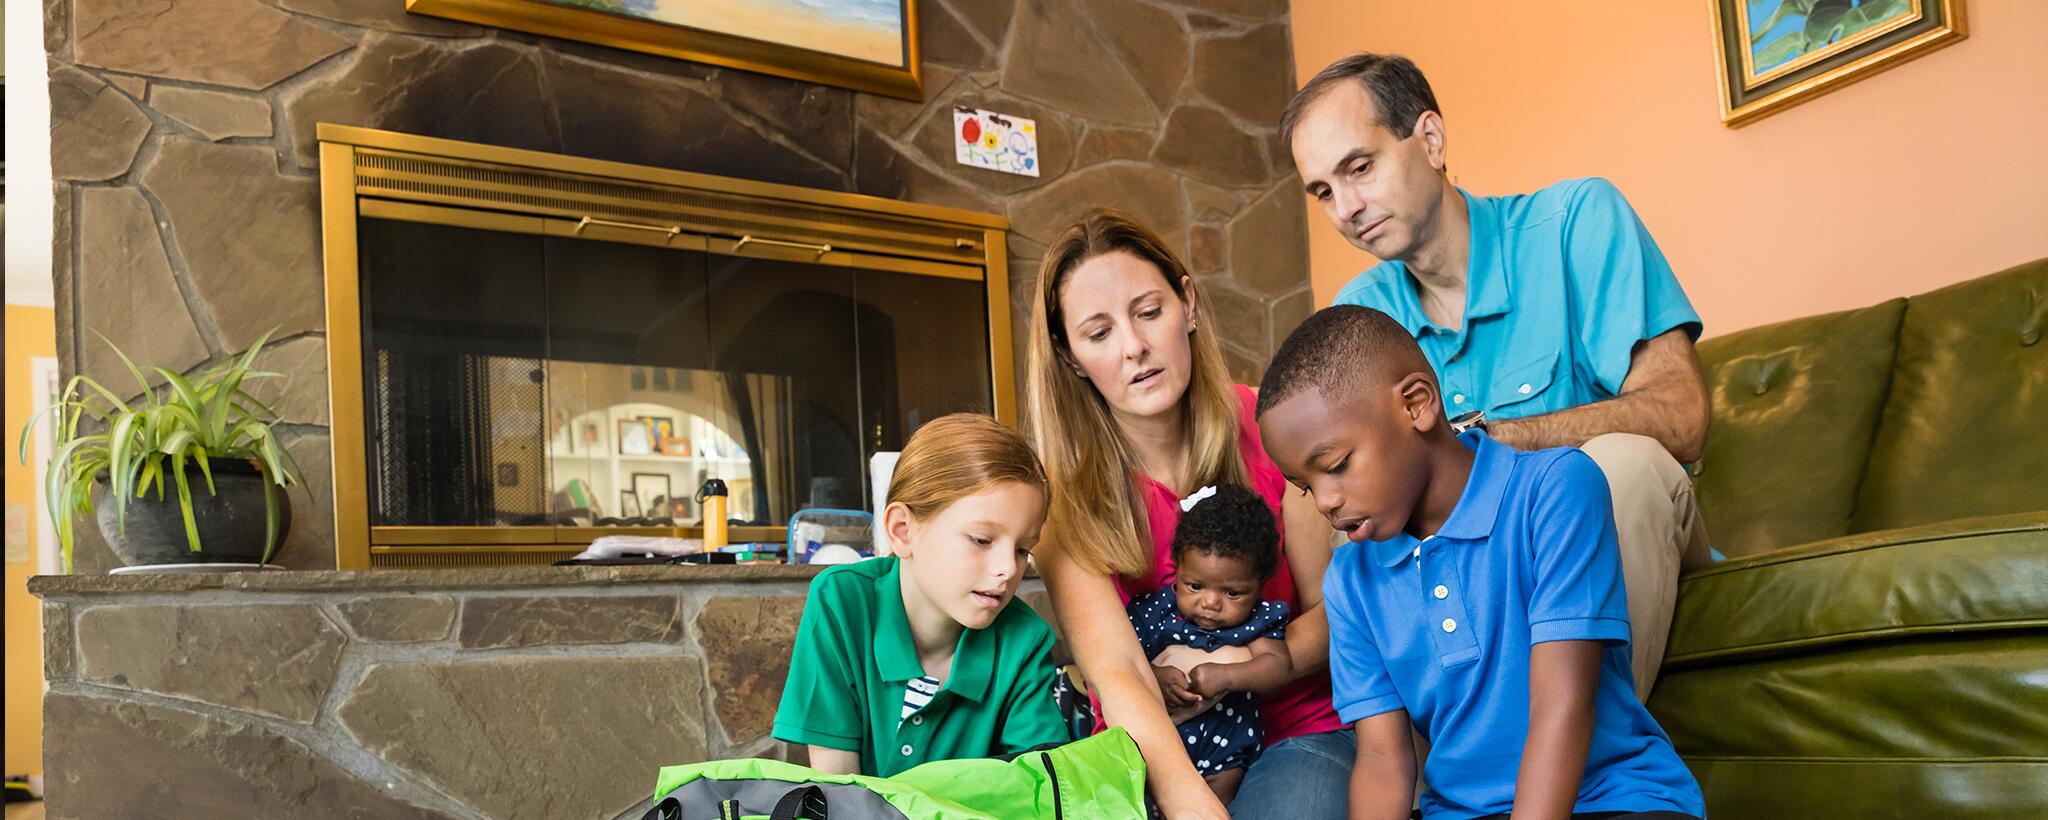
{"x":711,"y":498}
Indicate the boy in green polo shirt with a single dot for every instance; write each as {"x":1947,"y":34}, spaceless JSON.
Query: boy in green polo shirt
{"x":923,"y":655}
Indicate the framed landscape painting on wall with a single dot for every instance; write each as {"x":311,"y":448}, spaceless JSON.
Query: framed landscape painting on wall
{"x":865,"y":45}
{"x":1775,"y":53}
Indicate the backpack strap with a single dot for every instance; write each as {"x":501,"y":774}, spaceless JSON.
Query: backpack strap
{"x":668,"y":808}
{"x":805,"y":803}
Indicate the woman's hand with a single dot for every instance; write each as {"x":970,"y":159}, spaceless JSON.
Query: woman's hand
{"x":1107,"y":648}
{"x":1201,"y":805}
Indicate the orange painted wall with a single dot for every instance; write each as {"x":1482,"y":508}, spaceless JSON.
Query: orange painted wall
{"x":31,"y":331}
{"x":1932,"y":172}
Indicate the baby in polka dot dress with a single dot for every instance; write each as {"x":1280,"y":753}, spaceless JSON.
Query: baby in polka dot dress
{"x":1224,"y":550}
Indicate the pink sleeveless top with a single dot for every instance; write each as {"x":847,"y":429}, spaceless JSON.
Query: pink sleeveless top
{"x":1299,"y":708}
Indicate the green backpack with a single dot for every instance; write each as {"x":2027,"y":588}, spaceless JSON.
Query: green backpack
{"x":1097,"y":777}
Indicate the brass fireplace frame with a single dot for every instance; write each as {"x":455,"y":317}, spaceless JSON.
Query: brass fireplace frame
{"x":384,"y":174}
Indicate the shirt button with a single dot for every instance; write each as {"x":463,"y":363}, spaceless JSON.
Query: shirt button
{"x":1524,"y":390}
{"x":1442,"y":592}
{"x":918,"y":720}
{"x":1458,"y":398}
{"x":1418,"y":552}
{"x":1449,"y":626}
{"x":906,"y":747}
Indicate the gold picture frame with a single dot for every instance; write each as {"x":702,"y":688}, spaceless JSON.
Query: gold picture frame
{"x":579,"y":20}
{"x":1801,"y":49}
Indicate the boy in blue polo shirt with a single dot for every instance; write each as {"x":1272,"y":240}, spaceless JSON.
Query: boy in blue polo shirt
{"x":1480,"y":599}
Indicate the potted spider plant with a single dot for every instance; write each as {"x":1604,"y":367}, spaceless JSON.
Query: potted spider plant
{"x":191,"y":475}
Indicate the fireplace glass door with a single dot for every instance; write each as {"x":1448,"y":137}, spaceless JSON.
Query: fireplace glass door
{"x":536,"y":379}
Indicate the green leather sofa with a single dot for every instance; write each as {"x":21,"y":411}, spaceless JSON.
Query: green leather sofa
{"x":1876,"y":645}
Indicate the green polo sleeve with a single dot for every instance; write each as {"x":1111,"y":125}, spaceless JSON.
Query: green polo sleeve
{"x":821,"y":702}
{"x":1030,"y":718}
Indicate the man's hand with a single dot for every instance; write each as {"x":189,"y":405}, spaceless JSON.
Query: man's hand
{"x":1663,"y":397}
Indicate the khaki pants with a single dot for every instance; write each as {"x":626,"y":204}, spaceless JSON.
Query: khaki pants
{"x":1659,"y":530}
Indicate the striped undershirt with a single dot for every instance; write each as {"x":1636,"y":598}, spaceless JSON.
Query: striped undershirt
{"x":916,"y":694}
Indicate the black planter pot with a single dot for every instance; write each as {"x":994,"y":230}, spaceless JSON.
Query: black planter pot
{"x":230,"y":520}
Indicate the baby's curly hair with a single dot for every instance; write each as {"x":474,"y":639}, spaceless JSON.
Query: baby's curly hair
{"x":1233,"y":523}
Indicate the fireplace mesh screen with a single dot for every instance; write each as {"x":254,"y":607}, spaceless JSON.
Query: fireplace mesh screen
{"x":457,"y":439}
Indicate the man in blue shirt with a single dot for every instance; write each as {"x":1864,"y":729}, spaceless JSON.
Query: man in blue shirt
{"x":1480,"y":599}
{"x":1551,"y":318}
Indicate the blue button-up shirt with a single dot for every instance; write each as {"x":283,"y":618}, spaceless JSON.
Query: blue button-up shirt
{"x":1442,"y":627}
{"x":1562,"y":284}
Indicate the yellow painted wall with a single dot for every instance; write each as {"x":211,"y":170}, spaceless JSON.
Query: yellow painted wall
{"x":30,"y":332}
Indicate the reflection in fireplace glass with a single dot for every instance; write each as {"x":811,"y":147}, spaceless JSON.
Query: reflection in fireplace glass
{"x":518,"y":380}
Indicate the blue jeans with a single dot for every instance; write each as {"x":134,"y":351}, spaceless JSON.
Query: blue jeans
{"x":1306,"y":777}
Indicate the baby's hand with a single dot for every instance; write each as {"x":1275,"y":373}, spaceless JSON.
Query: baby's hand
{"x":1173,"y":685}
{"x":1211,"y":680}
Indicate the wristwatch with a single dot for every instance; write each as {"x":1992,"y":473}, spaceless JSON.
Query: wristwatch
{"x":1468,"y":420}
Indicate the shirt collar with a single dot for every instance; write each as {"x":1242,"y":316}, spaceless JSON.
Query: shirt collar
{"x":896,"y":651}
{"x":1487,"y":291}
{"x":1478,"y":506}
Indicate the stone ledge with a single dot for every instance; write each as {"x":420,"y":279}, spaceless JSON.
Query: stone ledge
{"x":64,"y":586}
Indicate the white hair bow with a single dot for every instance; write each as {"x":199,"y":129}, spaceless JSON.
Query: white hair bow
{"x":1187,"y":504}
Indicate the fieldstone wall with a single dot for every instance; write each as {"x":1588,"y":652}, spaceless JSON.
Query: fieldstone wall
{"x":518,"y":693}
{"x":183,"y":138}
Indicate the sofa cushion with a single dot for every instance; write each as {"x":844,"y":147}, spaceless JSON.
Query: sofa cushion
{"x":1976,"y":575}
{"x":1868,"y":702}
{"x":1964,"y":429}
{"x":1948,"y":789}
{"x":1795,"y":407}
{"x":1945,"y":725}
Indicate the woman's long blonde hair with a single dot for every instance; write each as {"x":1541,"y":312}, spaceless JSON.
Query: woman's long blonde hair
{"x":1097,"y":516}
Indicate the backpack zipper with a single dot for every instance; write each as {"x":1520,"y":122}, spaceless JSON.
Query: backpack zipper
{"x":1052,"y":773}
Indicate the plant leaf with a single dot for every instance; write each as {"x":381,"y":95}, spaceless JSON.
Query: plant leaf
{"x":205,"y":469}
{"x":270,"y":522}
{"x":147,"y":393}
{"x":217,"y":406}
{"x":176,"y":443}
{"x":152,"y":472}
{"x":184,"y":392}
{"x":120,"y":454}
{"x":185,"y":501}
{"x":87,"y":381}
{"x":257,"y":404}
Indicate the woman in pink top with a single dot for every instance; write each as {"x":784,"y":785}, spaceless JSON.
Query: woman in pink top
{"x":1133,"y":411}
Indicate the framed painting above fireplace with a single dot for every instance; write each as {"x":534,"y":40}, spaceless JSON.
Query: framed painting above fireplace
{"x":865,"y":45}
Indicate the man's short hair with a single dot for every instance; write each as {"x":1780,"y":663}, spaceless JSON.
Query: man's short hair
{"x":1400,"y":93}
{"x":1338,"y":351}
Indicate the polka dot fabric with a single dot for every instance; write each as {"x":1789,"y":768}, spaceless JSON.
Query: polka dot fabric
{"x":1227,"y":736}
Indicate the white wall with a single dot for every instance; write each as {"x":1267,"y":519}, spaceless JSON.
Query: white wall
{"x":29,"y":228}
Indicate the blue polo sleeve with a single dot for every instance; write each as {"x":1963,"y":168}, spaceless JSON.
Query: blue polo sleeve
{"x":1621,"y":288}
{"x":1573,"y":559}
{"x":1359,"y":684}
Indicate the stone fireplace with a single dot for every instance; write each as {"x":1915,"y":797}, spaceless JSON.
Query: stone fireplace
{"x":185,"y":152}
